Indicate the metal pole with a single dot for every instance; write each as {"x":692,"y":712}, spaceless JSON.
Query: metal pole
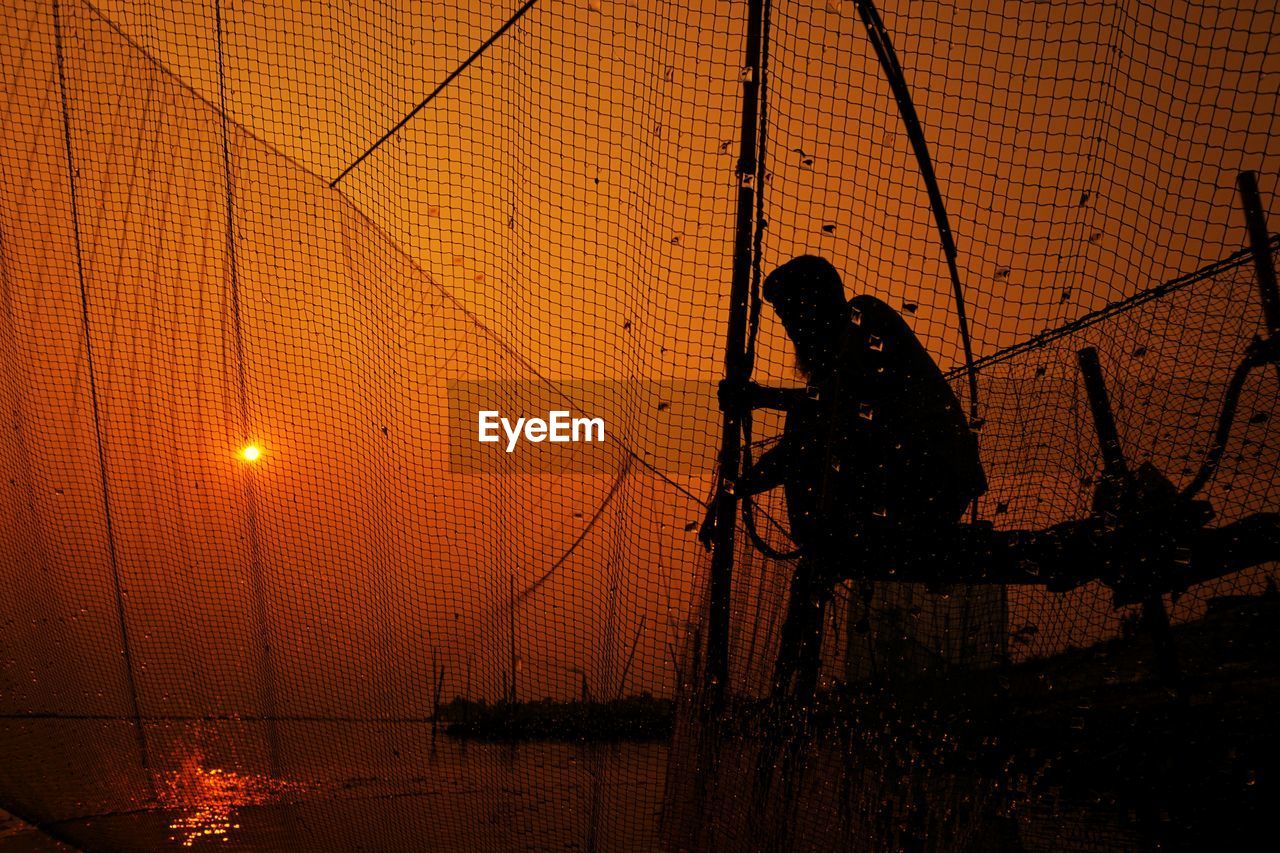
{"x":513,"y":638}
{"x":878,"y":35}
{"x":1260,"y":244}
{"x":1113,"y":464}
{"x":737,"y":366}
{"x":1116,"y":474}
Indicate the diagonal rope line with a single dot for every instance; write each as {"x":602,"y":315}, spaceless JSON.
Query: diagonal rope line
{"x":117,"y":582}
{"x":1232,"y":262}
{"x":604,"y":504}
{"x":429,"y":98}
{"x":878,"y":35}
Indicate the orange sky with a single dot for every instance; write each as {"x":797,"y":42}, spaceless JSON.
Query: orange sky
{"x":563,"y":212}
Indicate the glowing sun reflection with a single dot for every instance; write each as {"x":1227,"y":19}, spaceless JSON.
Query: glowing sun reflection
{"x":206,"y":799}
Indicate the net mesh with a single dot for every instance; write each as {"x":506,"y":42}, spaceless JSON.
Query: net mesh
{"x":198,"y":646}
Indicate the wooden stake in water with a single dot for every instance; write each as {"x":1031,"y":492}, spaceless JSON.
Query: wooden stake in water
{"x":512,"y":697}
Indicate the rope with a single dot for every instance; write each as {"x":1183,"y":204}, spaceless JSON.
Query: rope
{"x":109,"y":521}
{"x":879,"y":37}
{"x":257,"y":577}
{"x":429,"y":98}
{"x":1255,"y":357}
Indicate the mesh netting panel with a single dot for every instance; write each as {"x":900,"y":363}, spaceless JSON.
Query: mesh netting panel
{"x":252,"y":592}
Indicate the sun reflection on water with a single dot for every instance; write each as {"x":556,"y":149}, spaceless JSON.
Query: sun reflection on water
{"x":207,"y":799}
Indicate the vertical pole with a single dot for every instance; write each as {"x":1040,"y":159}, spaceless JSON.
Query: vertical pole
{"x":737,"y":367}
{"x":258,"y":588}
{"x":435,"y":704}
{"x":512,"y":697}
{"x":1113,"y":464}
{"x":1116,"y":475}
{"x":117,"y":581}
{"x":1260,"y":242}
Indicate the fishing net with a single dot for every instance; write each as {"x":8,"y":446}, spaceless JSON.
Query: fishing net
{"x":257,"y":565}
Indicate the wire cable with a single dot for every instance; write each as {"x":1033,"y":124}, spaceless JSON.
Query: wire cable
{"x":879,"y":37}
{"x":429,"y":98}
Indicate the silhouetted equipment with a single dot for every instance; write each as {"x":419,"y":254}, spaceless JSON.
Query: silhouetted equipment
{"x":1262,"y":350}
{"x":1260,"y":244}
{"x":736,"y":359}
{"x":1119,"y":500}
{"x":1264,"y":265}
{"x":1143,"y":539}
{"x":882,"y":44}
{"x":867,"y":498}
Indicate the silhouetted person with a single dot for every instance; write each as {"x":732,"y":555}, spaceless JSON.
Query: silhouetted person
{"x":875,"y":453}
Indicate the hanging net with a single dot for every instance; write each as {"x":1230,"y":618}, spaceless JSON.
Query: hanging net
{"x":263,"y":265}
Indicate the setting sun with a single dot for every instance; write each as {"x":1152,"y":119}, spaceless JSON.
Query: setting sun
{"x":251,"y":453}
